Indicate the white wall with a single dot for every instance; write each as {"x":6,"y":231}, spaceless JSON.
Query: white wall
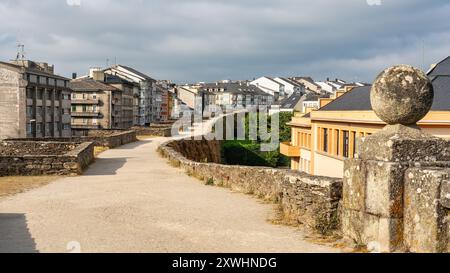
{"x":267,"y":85}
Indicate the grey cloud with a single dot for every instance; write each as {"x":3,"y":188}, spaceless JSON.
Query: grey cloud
{"x":194,"y":40}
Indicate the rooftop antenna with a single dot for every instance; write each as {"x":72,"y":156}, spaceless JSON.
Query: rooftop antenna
{"x":20,"y":52}
{"x":423,"y":55}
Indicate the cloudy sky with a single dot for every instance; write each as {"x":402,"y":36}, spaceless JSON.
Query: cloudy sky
{"x":200,"y":40}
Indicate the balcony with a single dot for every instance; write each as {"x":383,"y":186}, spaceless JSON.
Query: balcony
{"x":84,"y":126}
{"x":288,"y":150}
{"x":85,"y":114}
{"x":84,"y":101}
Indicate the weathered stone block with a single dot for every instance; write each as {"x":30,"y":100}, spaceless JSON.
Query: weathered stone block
{"x":425,"y":217}
{"x":352,"y":222}
{"x":354,"y":185}
{"x":383,"y":234}
{"x":445,"y":194}
{"x":384,"y":192}
{"x":399,"y":143}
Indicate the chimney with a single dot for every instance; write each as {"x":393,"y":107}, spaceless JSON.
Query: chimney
{"x":74,"y":76}
{"x":97,"y":74}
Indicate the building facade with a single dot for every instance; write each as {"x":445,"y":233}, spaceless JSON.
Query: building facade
{"x":144,"y":94}
{"x":270,"y":86}
{"x":34,"y":102}
{"x":323,"y":139}
{"x":235,"y":95}
{"x":95,"y":105}
{"x":291,"y":87}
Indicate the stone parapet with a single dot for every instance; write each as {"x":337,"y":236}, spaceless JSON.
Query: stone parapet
{"x":22,"y":158}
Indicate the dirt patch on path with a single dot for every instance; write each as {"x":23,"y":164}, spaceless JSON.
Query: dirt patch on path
{"x":11,"y":185}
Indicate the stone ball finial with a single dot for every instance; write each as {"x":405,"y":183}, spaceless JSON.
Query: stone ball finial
{"x":402,"y":95}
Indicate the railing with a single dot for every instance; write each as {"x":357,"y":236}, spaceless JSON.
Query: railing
{"x":84,"y":101}
{"x":288,"y":150}
{"x":85,"y":114}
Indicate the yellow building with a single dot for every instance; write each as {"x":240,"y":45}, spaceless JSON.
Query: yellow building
{"x":323,"y":139}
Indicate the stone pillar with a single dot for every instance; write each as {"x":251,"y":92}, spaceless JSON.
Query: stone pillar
{"x":389,"y":197}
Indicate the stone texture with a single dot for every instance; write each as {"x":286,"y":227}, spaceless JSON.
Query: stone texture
{"x":354,"y":190}
{"x":398,"y":143}
{"x":402,"y":95}
{"x":352,"y":222}
{"x":24,"y":158}
{"x":425,"y":217}
{"x":382,"y":234}
{"x":445,"y":194}
{"x":163,"y":130}
{"x":100,"y":138}
{"x":384,"y":185}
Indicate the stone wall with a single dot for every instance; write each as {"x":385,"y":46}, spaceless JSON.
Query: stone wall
{"x":23,"y":158}
{"x":100,"y":138}
{"x":198,"y":150}
{"x":161,"y":130}
{"x":304,"y":199}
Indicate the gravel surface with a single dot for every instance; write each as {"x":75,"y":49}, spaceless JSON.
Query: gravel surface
{"x":131,"y":200}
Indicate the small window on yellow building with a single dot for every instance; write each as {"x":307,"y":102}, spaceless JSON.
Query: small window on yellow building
{"x":325,"y":140}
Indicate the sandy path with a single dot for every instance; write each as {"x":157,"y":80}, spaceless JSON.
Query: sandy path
{"x":131,"y":200}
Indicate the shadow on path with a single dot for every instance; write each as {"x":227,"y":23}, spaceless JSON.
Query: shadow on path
{"x":106,"y":166}
{"x":14,"y":234}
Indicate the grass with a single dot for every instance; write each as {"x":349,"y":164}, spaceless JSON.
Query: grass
{"x":98,"y":150}
{"x":145,"y":137}
{"x":11,"y":185}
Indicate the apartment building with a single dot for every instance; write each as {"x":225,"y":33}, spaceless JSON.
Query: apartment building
{"x":323,"y":139}
{"x":144,"y":94}
{"x":129,"y":99}
{"x":309,"y":83}
{"x":270,"y":86}
{"x":95,"y":105}
{"x":166,"y":97}
{"x":291,"y":87}
{"x":34,"y":102}
{"x":235,"y":94}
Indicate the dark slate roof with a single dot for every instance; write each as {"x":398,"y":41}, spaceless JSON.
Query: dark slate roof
{"x":441,"y":86}
{"x":90,"y":85}
{"x":113,"y":79}
{"x":441,"y":69}
{"x":294,"y":83}
{"x":291,"y":102}
{"x":358,"y":99}
{"x":234,"y":88}
{"x":140,"y":74}
{"x":34,"y":71}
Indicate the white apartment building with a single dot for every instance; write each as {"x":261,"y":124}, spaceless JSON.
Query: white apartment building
{"x":290,"y":87}
{"x":147,"y":106}
{"x":270,"y":86}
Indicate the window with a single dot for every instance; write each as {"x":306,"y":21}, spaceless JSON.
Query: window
{"x":30,"y":111}
{"x":346,"y":150}
{"x":74,"y":109}
{"x":66,"y":126}
{"x":39,"y":110}
{"x":30,"y":93}
{"x":325,"y":140}
{"x":29,"y":128}
{"x":40,"y":94}
{"x":39,"y":128}
{"x":338,"y":142}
